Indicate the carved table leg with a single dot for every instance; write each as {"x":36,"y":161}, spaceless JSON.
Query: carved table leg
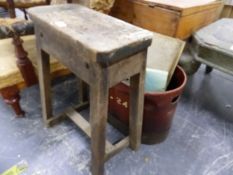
{"x":24,"y":64}
{"x":11,"y":97}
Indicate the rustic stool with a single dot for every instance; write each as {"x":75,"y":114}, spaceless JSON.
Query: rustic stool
{"x":213,"y":46}
{"x":102,"y":51}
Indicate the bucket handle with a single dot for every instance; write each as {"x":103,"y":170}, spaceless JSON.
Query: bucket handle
{"x":175,"y":99}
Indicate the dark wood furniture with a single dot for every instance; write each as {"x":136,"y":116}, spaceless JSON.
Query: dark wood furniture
{"x":102,"y":51}
{"x":18,"y":62}
{"x":15,"y":66}
{"x":23,"y":5}
{"x":213,"y":46}
{"x":176,"y":18}
{"x":10,"y":5}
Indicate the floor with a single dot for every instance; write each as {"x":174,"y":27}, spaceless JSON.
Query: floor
{"x":200,"y":140}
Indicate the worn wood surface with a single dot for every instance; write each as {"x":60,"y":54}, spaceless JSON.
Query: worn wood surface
{"x":189,"y":24}
{"x":153,"y":18}
{"x":84,"y":41}
{"x":120,"y":70}
{"x":227,"y":11}
{"x":98,"y":119}
{"x":82,"y":123}
{"x":114,"y":149}
{"x":178,"y":4}
{"x":89,"y":30}
{"x":136,"y":108}
{"x":173,"y":18}
{"x":45,"y":85}
{"x":214,"y":45}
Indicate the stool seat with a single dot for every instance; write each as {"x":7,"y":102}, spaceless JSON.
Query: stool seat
{"x":213,"y":45}
{"x":79,"y":27}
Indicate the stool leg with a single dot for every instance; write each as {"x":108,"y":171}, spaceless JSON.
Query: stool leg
{"x":136,"y":109}
{"x":45,"y":89}
{"x":98,"y":114}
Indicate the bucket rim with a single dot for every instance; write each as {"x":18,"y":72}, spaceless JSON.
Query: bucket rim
{"x":172,"y":90}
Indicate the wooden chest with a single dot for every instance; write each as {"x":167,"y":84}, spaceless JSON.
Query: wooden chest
{"x":176,"y":18}
{"x":228,"y":9}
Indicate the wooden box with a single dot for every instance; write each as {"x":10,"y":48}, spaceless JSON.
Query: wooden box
{"x":228,"y":9}
{"x":176,"y":18}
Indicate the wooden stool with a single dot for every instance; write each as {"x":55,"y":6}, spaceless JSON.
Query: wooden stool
{"x":213,"y":46}
{"x":102,"y":51}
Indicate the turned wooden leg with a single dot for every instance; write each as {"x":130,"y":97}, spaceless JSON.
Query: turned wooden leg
{"x":98,"y":117}
{"x":11,"y":97}
{"x":24,"y":64}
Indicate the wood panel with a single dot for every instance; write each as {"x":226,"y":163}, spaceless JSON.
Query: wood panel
{"x":227,"y":12}
{"x":191,"y":23}
{"x":178,"y":5}
{"x":198,"y":9}
{"x":151,"y":18}
{"x":176,"y":21}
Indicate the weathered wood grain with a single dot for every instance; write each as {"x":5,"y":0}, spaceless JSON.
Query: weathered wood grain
{"x":89,"y":31}
{"x":85,"y":42}
{"x":45,"y":85}
{"x":136,"y":107}
{"x":98,"y":119}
